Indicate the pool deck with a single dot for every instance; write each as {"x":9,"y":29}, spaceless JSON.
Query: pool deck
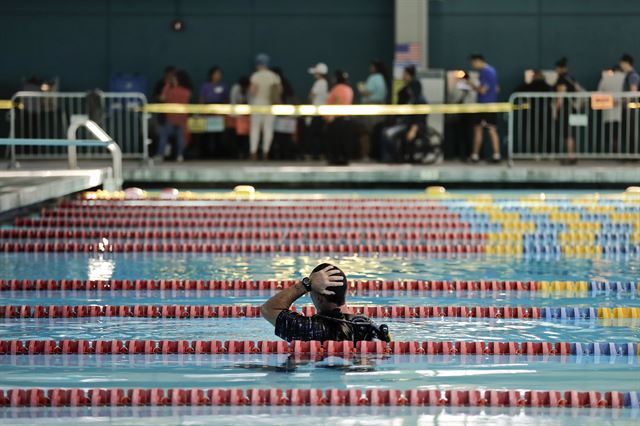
{"x":37,"y":181}
{"x":21,"y":188}
{"x":372,"y":174}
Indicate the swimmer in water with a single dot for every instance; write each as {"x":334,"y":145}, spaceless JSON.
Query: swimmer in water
{"x":327,"y":286}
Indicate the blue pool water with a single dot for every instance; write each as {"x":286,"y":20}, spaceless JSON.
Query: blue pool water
{"x":599,"y":373}
{"x":615,"y":330}
{"x":603,"y":373}
{"x":262,"y":267}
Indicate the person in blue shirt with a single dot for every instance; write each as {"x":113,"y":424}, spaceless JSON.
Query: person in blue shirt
{"x":213,"y":143}
{"x":214,"y":91}
{"x":374,"y":90}
{"x":631,"y":77}
{"x":629,"y":117}
{"x":487,"y":91}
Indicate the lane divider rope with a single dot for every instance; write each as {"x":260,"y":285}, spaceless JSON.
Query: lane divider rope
{"x":354,"y":285}
{"x":98,"y":397}
{"x":252,"y":214}
{"x":148,"y":347}
{"x":504,"y":235}
{"x":264,"y":235}
{"x":246,"y":207}
{"x":236,"y":223}
{"x":239,"y":311}
{"x":619,"y":199}
{"x":74,"y":247}
{"x":556,"y":250}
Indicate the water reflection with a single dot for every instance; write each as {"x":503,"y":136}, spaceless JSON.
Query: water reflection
{"x":100,"y":269}
{"x":240,"y":266}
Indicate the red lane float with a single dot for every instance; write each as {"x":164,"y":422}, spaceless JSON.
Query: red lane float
{"x":351,"y":236}
{"x":36,"y":397}
{"x":338,"y":202}
{"x":238,"y":223}
{"x":251,"y":285}
{"x":249,"y":214}
{"x":75,"y":247}
{"x":80,"y":206}
{"x":53,"y":347}
{"x":237,"y":311}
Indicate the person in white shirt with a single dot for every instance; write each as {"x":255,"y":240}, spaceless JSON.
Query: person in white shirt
{"x":265,"y":89}
{"x":314,"y":126}
{"x":320,"y":89}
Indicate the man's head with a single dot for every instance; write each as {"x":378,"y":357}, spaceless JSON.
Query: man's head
{"x":328,"y":303}
{"x":169,"y":73}
{"x":626,"y":62}
{"x":562,"y":65}
{"x":477,"y":61}
{"x":409,"y":73}
{"x":215,"y":74}
{"x":262,"y":61}
{"x":341,"y":77}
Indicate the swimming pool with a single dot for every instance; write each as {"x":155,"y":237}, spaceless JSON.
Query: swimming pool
{"x":492,"y":299}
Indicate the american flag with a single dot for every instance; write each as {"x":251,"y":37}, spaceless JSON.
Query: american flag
{"x":408,"y":53}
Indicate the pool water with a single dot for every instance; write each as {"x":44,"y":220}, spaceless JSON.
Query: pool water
{"x":602,"y":373}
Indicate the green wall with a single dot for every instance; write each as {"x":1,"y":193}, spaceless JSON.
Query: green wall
{"x":518,"y":34}
{"x":85,"y":41}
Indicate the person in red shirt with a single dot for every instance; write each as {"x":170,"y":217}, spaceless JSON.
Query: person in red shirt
{"x":176,"y":90}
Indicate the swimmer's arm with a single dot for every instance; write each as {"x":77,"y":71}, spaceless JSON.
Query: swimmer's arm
{"x":282,"y":301}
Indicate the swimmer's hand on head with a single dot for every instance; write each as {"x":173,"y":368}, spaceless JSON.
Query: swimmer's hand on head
{"x":320,"y":282}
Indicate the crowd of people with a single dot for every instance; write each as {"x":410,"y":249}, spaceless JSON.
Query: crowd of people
{"x":339,"y":139}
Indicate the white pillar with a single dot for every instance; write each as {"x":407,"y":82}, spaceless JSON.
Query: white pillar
{"x":412,"y":25}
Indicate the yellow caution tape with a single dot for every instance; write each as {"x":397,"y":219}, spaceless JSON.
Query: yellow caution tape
{"x":295,"y":110}
{"x":330,"y":110}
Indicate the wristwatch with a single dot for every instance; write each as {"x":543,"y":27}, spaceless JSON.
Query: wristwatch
{"x":306,"y":283}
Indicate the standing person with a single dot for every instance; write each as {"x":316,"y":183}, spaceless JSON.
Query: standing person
{"x":320,"y":90}
{"x":288,"y":95}
{"x":564,"y":84}
{"x":340,"y":135}
{"x":374,"y":90}
{"x":176,"y":90}
{"x":487,"y":90}
{"x":612,"y":117}
{"x":158,"y":120}
{"x":214,"y":91}
{"x":239,"y":125}
{"x":315,"y":126}
{"x":629,"y":116}
{"x":169,"y":73}
{"x":538,"y":114}
{"x":284,"y":145}
{"x":265,"y":90}
{"x":631,"y":77}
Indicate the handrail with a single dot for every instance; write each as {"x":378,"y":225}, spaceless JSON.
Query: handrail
{"x":104,"y":140}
